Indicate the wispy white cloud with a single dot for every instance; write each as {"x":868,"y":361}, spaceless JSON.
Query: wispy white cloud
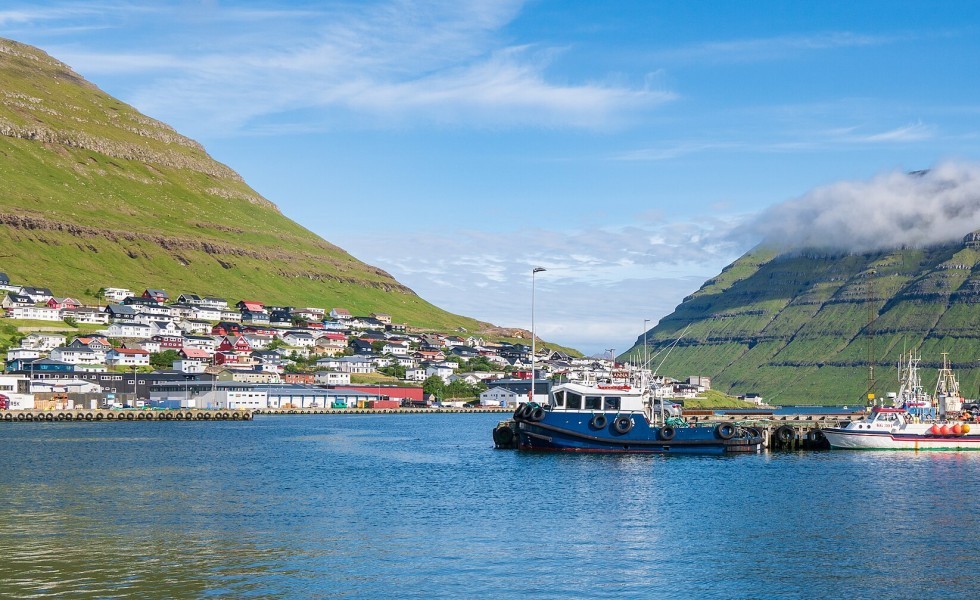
{"x":771,"y":48}
{"x":385,"y":63}
{"x":599,"y":286}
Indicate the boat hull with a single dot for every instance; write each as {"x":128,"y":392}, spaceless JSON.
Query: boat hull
{"x":887,"y":440}
{"x":578,"y":432}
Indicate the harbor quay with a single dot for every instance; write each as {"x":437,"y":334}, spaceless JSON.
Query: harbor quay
{"x":779,"y":432}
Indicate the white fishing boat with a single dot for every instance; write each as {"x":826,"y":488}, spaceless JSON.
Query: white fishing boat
{"x":892,"y":428}
{"x":912,"y":423}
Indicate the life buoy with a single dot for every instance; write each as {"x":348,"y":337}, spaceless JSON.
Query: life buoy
{"x":599,"y":421}
{"x":725,"y":431}
{"x":623,"y":424}
{"x":667,"y":432}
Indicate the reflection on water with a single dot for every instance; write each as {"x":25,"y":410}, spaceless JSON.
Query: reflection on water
{"x":421,"y":505}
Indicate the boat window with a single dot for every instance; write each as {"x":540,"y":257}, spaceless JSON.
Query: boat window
{"x":612,"y":402}
{"x":574,"y":401}
{"x":560,"y":398}
{"x":593,"y":402}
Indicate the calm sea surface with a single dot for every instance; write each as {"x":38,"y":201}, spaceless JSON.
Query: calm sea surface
{"x":408,"y":506}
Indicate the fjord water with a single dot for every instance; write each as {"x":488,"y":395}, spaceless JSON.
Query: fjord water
{"x":384,"y":506}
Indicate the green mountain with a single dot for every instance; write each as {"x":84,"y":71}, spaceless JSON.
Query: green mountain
{"x":94,"y":194}
{"x":804,"y":328}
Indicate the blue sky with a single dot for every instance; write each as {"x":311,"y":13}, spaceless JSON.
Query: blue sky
{"x":622,"y":145}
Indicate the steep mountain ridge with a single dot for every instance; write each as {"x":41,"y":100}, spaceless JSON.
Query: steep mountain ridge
{"x":93,"y":194}
{"x":805,"y":327}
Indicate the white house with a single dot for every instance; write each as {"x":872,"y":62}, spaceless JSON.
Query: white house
{"x":129,"y":329}
{"x":80,"y":355}
{"x":415,"y":374}
{"x":35,"y":313}
{"x":355,"y":364}
{"x":300,"y":339}
{"x":116,"y":294}
{"x":92,"y":316}
{"x":442,"y":370}
{"x":332,"y":378}
{"x":44,"y":341}
{"x":23,"y":353}
{"x":206,"y":313}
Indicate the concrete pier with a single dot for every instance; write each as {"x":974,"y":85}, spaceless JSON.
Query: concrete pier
{"x":128,"y":415}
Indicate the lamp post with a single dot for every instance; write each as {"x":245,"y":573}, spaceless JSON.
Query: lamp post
{"x":534,"y":272}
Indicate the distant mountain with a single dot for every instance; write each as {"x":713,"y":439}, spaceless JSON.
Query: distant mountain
{"x":95,"y":194}
{"x":804,"y":327}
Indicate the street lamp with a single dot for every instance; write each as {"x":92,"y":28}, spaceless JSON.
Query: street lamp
{"x":534,"y":272}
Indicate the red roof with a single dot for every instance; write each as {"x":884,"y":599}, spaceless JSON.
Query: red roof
{"x":131,"y":351}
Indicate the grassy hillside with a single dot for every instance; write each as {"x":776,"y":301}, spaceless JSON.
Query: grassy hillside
{"x":805,"y":328}
{"x":95,"y":194}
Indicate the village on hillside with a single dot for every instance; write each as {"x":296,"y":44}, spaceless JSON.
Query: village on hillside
{"x":155,"y":351}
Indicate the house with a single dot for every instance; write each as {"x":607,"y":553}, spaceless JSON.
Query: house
{"x":115,"y":294}
{"x":234,"y":345}
{"x":255,"y":317}
{"x":23,"y":354}
{"x":330,"y":343}
{"x":231,"y":315}
{"x":126,"y":357}
{"x":192,"y":299}
{"x":69,"y":303}
{"x":331,"y":378}
{"x":99,"y":344}
{"x":13,"y":300}
{"x":299,"y":339}
{"x":193,"y":326}
{"x":48,"y":365}
{"x":441,"y":370}
{"x":158,"y":296}
{"x":299,"y":378}
{"x":340,"y":314}
{"x":226,"y":328}
{"x":309,"y":314}
{"x":34,"y":313}
{"x":415,"y":374}
{"x":37,"y":294}
{"x":43,"y":341}
{"x":129,"y":329}
{"x":360,"y":346}
{"x":500,"y":396}
{"x":206,"y":313}
{"x":366,"y":323}
{"x":216,"y":303}
{"x":169,"y":341}
{"x":164,"y":328}
{"x":120,"y":311}
{"x":80,"y":355}
{"x":250,"y":305}
{"x":382,"y":318}
{"x":395,"y":348}
{"x":201,"y":342}
{"x":355,"y":364}
{"x":151,"y":346}
{"x":91,"y":316}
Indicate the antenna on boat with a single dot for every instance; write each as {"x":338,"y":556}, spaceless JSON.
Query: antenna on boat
{"x":872,"y":383}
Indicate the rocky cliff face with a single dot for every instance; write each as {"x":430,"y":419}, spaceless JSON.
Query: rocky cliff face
{"x":801,"y":328}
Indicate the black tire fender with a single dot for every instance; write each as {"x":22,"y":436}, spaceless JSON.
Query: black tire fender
{"x":725,"y":431}
{"x":623,"y":424}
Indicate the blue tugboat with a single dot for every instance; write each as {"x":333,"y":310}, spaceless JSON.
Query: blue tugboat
{"x":615,"y":419}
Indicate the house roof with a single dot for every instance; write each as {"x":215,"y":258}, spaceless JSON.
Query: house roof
{"x":130,"y":351}
{"x":195,"y":353}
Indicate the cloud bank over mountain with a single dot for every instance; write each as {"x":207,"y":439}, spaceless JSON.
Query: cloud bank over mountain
{"x":891,"y":210}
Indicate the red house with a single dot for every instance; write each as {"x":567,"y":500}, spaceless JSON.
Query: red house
{"x":158,"y":296}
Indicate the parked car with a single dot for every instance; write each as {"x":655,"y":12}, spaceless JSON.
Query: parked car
{"x":671,"y":409}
